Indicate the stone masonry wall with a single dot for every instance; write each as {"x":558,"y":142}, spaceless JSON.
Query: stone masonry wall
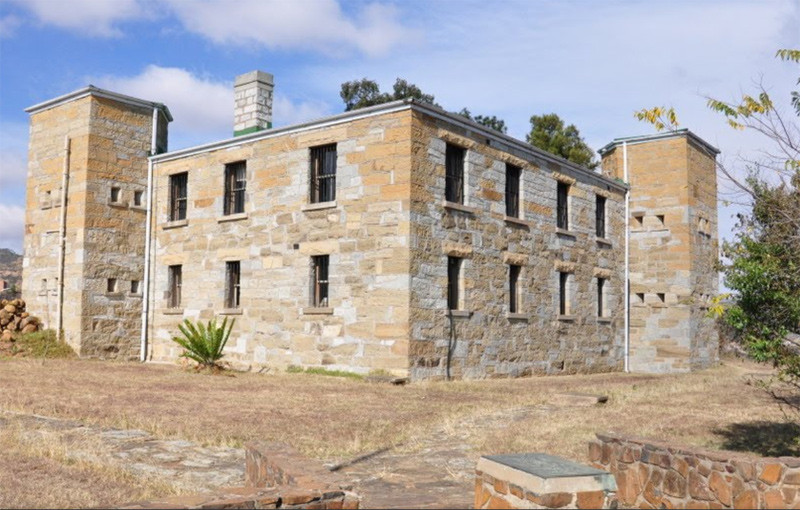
{"x":653,"y":474}
{"x":365,"y":233}
{"x":485,"y":341}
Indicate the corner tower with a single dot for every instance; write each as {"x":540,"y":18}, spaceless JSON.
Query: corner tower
{"x":673,"y":247}
{"x":85,"y":216}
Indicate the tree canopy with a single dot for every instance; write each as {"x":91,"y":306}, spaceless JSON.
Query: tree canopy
{"x":550,"y":133}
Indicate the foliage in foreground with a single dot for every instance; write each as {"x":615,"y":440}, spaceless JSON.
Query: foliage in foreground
{"x":204,"y":343}
{"x":41,"y":344}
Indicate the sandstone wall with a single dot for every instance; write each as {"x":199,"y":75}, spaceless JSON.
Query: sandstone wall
{"x":653,"y":474}
{"x":486,"y":341}
{"x":365,"y":233}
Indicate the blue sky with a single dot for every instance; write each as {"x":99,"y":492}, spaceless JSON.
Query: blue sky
{"x":593,"y":63}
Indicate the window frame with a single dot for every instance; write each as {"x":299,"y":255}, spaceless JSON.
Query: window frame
{"x":600,"y":216}
{"x":322,"y":173}
{"x":514,"y":272}
{"x":455,"y":182}
{"x":601,"y":298}
{"x":564,"y":305}
{"x":455,"y":298}
{"x":320,"y":281}
{"x":175,"y":286}
{"x":115,"y":196}
{"x":513,"y":191}
{"x":562,"y":205}
{"x":178,"y":202}
{"x":233,"y":284}
{"x":235,"y":188}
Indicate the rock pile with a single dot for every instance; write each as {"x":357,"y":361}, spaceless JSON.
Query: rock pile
{"x":14,"y":318}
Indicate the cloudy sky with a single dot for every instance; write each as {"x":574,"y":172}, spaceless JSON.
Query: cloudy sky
{"x":593,"y":63}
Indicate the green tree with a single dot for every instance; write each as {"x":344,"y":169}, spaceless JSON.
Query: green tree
{"x":365,"y":92}
{"x":549,"y":133}
{"x":763,"y":266}
{"x":491,"y":122}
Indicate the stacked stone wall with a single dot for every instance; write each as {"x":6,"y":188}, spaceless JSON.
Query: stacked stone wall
{"x":654,"y":474}
{"x":485,"y":340}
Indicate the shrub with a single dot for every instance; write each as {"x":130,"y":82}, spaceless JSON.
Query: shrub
{"x":204,"y":343}
{"x":41,"y":344}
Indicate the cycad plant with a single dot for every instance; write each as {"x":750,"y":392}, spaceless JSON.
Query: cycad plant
{"x":204,"y":343}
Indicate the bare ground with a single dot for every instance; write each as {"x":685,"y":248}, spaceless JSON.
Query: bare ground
{"x":336,"y":419}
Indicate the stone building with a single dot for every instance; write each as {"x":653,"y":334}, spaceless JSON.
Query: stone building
{"x":398,"y":237}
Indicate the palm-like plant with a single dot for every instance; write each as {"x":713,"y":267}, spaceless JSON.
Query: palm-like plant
{"x":204,"y":343}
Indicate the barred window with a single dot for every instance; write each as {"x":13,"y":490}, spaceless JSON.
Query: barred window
{"x":562,"y":206}
{"x":323,"y":174}
{"x":454,"y":174}
{"x":175,"y":285}
{"x":513,"y":288}
{"x":513,"y":174}
{"x":319,"y":276}
{"x":600,"y":216}
{"x":235,"y":183}
{"x":177,"y":196}
{"x":232,"y":284}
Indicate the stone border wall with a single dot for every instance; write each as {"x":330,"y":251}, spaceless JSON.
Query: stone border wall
{"x":653,"y":474}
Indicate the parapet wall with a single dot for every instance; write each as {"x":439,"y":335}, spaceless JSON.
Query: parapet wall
{"x":653,"y":474}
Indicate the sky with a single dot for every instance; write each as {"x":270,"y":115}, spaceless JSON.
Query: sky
{"x":593,"y":63}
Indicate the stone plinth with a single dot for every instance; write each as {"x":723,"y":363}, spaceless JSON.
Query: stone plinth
{"x":538,"y":480}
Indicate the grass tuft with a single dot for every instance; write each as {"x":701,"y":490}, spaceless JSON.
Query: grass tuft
{"x":292,"y":369}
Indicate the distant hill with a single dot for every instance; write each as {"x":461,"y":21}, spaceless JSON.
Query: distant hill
{"x":11,"y":267}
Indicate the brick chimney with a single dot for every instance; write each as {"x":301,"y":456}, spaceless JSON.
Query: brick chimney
{"x":252,"y":102}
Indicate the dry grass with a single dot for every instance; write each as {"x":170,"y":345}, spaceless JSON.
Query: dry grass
{"x":38,"y":472}
{"x":329,"y":417}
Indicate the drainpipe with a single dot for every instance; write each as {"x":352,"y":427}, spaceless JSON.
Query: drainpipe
{"x":62,"y":235}
{"x":627,"y":259}
{"x":148,"y":232}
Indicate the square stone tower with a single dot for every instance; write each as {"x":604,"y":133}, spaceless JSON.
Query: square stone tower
{"x":673,"y":247}
{"x":83,"y":264}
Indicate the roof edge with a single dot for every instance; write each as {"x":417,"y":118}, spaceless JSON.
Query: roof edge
{"x":91,"y":90}
{"x":630,"y":140}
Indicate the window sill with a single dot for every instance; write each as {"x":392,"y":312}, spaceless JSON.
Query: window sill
{"x":567,"y":318}
{"x":118,"y":205}
{"x":114,"y":295}
{"x":517,"y":221}
{"x":318,"y":206}
{"x":517,"y":317}
{"x":230,"y":311}
{"x":174,"y":224}
{"x":459,"y":313}
{"x":173,"y":311}
{"x":134,"y":295}
{"x":604,"y":320}
{"x":604,"y":242}
{"x":139,"y":208}
{"x":318,"y":311}
{"x":459,"y":207}
{"x":232,"y":217}
{"x":565,"y":233}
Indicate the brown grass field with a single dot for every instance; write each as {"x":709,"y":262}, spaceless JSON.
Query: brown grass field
{"x":335,"y":418}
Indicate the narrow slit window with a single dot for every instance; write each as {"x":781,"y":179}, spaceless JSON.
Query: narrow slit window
{"x":175,"y":286}
{"x":232,"y":285}
{"x":111,"y":285}
{"x":601,"y":297}
{"x":134,"y":286}
{"x":600,"y":216}
{"x":562,"y":206}
{"x":453,"y":283}
{"x":640,"y":297}
{"x":660,"y":218}
{"x":319,"y":278}
{"x":323,"y":174}
{"x":563,"y":294}
{"x":454,"y":174}
{"x":178,"y":184}
{"x":513,"y":288}
{"x":137,"y":198}
{"x":661,"y":296}
{"x":513,"y":197}
{"x":115,"y":192}
{"x":235,"y":184}
{"x":638,"y":220}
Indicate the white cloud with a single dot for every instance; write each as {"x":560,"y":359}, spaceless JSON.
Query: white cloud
{"x":319,"y":25}
{"x":12,"y":227}
{"x":97,"y":18}
{"x":202,"y":107}
{"x":9,"y":25}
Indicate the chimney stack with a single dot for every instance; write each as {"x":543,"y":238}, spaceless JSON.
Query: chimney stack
{"x":252,"y":102}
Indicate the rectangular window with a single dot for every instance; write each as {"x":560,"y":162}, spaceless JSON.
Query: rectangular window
{"x":111,"y":285}
{"x":232,"y":284}
{"x":177,"y":196}
{"x":600,"y":216}
{"x":601,"y":283}
{"x":175,"y":285}
{"x":114,"y":194}
{"x":323,"y":174}
{"x":453,"y":283}
{"x":134,"y":286}
{"x":562,"y":207}
{"x":454,"y":174}
{"x":513,"y":174}
{"x":563,"y":294}
{"x":513,"y":288}
{"x":235,"y":183}
{"x":137,"y":198}
{"x":319,"y":277}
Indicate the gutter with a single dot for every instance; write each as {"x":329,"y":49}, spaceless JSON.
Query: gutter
{"x":62,"y":239}
{"x":148,"y":234}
